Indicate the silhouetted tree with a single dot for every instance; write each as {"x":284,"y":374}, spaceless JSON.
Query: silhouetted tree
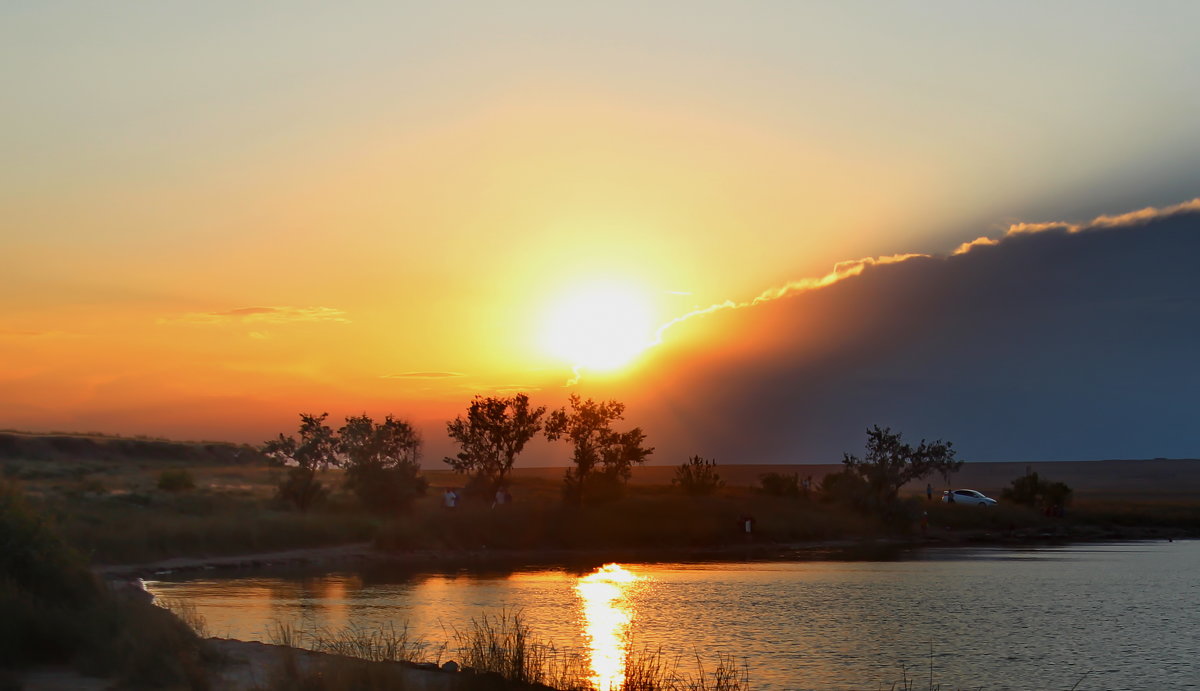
{"x":602,"y":457}
{"x":382,"y":461}
{"x":491,"y":436}
{"x":698,"y":476}
{"x":315,"y":450}
{"x":890,"y":463}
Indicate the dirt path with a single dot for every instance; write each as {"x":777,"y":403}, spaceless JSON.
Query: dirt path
{"x":293,"y":557}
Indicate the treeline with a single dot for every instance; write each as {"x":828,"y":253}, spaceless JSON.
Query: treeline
{"x":382,"y":459}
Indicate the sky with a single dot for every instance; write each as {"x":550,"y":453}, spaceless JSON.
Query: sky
{"x":214,"y":216}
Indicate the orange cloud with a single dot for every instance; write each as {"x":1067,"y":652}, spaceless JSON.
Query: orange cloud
{"x":423,"y":375}
{"x":260,"y":315}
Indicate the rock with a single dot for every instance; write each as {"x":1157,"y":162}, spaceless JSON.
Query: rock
{"x":450,"y":666}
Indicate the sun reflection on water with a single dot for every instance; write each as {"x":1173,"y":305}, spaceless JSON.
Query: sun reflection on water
{"x":607,"y":614}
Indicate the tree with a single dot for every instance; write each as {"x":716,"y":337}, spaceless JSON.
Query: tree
{"x":889,"y":464}
{"x":315,"y":450}
{"x":602,"y":457}
{"x":698,"y":476}
{"x":382,"y":461}
{"x":491,"y":436}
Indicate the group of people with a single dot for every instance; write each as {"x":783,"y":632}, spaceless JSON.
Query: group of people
{"x":451,"y":498}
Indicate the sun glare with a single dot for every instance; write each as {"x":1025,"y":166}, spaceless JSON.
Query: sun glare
{"x":600,"y":328}
{"x":607,"y":614}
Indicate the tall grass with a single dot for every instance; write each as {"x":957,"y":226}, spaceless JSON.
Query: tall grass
{"x":652,"y":670}
{"x":381,"y":644}
{"x":502,"y":646}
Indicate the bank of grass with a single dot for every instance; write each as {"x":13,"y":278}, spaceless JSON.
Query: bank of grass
{"x":53,"y":611}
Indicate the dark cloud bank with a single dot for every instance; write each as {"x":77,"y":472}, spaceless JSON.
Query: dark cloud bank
{"x":1065,"y":343}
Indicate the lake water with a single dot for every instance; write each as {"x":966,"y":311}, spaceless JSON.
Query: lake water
{"x":1119,"y":616}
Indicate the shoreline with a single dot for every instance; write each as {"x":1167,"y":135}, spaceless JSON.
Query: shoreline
{"x":365,"y":553}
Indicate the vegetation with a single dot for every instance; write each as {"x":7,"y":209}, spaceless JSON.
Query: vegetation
{"x":874,"y":481}
{"x":698,"y":477}
{"x":176,"y":481}
{"x":602,"y":458}
{"x":382,"y":461}
{"x":496,"y":651}
{"x":54,"y":611}
{"x":1030,"y":490}
{"x":315,"y":450}
{"x":495,"y":430}
{"x":780,"y":484}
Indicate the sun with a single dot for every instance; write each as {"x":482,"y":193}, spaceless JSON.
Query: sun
{"x":600,"y":327}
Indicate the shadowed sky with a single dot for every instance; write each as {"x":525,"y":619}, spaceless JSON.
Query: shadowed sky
{"x":215,"y":216}
{"x":1056,"y":344}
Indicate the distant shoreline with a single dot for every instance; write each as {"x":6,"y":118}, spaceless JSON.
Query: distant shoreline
{"x":853,"y":549}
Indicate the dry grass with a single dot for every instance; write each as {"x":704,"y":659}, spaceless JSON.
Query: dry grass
{"x":495,"y":646}
{"x":381,"y":644}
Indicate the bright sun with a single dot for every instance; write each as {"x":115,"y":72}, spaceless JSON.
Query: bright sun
{"x":600,"y":327}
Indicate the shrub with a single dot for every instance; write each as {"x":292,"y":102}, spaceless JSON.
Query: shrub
{"x":301,"y":488}
{"x":1031,"y":490}
{"x":779,"y":484}
{"x":175,"y":481}
{"x":383,"y":489}
{"x":698,"y":476}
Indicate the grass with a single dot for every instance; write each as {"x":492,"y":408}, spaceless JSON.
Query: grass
{"x":494,"y":651}
{"x":383,"y":644}
{"x":54,"y":611}
{"x":122,"y":500}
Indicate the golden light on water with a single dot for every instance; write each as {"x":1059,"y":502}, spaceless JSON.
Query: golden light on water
{"x":607,"y":614}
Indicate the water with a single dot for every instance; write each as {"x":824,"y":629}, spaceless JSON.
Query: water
{"x":1124,"y":616}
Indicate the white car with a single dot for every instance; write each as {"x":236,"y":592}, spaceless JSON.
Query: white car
{"x":968,"y":497}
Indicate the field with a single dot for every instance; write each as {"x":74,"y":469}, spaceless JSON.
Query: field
{"x":114,"y":500}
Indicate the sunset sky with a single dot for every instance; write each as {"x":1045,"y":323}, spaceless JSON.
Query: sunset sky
{"x":214,"y":216}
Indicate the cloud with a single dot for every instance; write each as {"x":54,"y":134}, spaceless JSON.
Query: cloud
{"x":1132,"y":218}
{"x":31,"y":333}
{"x":841,"y":271}
{"x":977,"y":242}
{"x":1052,"y":341}
{"x":423,"y":375}
{"x":260,"y":315}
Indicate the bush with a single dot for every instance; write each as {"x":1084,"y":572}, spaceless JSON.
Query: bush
{"x":1031,"y":490}
{"x":779,"y":484}
{"x":34,"y":559}
{"x":383,"y":489}
{"x":301,"y":488}
{"x":844,"y":487}
{"x":596,"y":487}
{"x":175,"y":481}
{"x":698,"y":476}
{"x":54,"y":611}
